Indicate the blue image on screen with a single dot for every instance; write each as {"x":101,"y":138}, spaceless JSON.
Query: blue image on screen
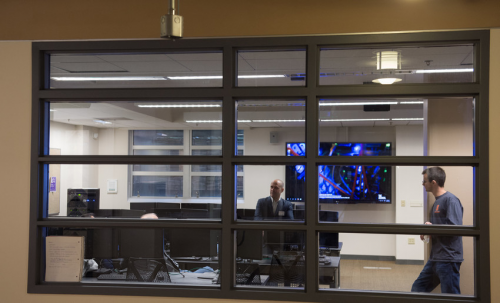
{"x":343,"y":183}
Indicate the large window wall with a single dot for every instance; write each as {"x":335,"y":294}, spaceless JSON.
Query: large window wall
{"x":176,"y":147}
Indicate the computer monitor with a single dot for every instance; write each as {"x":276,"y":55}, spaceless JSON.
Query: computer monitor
{"x":194,"y":205}
{"x":328,"y":216}
{"x":276,"y":240}
{"x":328,"y":240}
{"x":119,"y":213}
{"x":82,"y":201}
{"x":104,"y":243}
{"x":167,"y":212}
{"x":188,"y":213}
{"x":189,"y":242}
{"x":140,"y":243}
{"x":147,"y":206}
{"x":249,"y":244}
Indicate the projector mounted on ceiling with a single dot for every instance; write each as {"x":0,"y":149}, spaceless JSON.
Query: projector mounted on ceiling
{"x":171,"y":24}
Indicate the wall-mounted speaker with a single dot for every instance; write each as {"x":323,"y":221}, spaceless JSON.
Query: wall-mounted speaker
{"x":273,"y":137}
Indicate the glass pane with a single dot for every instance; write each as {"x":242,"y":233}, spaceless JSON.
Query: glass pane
{"x":207,"y":137}
{"x":157,"y":152}
{"x":116,"y":191}
{"x":270,"y":258}
{"x":206,"y":186}
{"x":125,"y":255}
{"x":158,"y":137}
{"x":257,"y":201}
{"x":206,"y":152}
{"x":399,"y":64}
{"x":270,"y":124}
{"x":395,"y":194}
{"x":272,"y":68}
{"x":395,"y":262}
{"x":93,"y":71}
{"x":397,"y":127}
{"x":159,"y":128}
{"x":158,"y":186}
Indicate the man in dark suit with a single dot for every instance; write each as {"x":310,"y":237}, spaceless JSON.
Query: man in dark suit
{"x":273,"y":206}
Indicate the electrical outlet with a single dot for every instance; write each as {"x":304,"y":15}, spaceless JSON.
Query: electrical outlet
{"x":403,"y":203}
{"x":411,"y":241}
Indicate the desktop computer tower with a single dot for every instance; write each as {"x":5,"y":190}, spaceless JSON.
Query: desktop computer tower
{"x":82,"y":201}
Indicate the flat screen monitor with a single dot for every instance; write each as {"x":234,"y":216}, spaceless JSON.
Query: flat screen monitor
{"x":82,"y":201}
{"x":276,"y":240}
{"x":249,"y":244}
{"x":119,"y":213}
{"x":190,"y":242}
{"x":347,"y":184}
{"x":140,"y":242}
{"x":328,"y":240}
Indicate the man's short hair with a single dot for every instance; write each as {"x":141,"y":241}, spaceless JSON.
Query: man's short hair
{"x":435,"y":174}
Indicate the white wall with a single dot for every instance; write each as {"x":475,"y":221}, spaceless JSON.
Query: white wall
{"x":409,"y":189}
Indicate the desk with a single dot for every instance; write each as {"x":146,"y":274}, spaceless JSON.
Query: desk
{"x":190,"y":278}
{"x":330,"y":273}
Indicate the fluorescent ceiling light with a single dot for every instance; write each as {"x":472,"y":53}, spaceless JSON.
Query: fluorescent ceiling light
{"x":102,"y":121}
{"x":53,"y":110}
{"x":358,"y":103}
{"x":411,"y":102}
{"x":242,"y":121}
{"x":261,"y":76}
{"x":152,"y":78}
{"x":458,"y":70}
{"x":388,"y":60}
{"x":264,"y":121}
{"x":177,"y":105}
{"x":386,"y":81}
{"x":137,"y":78}
{"x":353,"y":120}
{"x":203,"y":121}
{"x":407,"y":119}
{"x":194,"y":77}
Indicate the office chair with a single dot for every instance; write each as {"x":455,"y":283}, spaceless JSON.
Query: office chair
{"x":148,"y":270}
{"x":248,"y":274}
{"x":288,"y":273}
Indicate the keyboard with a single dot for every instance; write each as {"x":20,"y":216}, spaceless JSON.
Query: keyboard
{"x":113,"y":276}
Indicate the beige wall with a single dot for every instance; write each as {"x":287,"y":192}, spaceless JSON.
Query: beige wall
{"x":494,"y":164}
{"x":112,"y":19}
{"x":129,"y":19}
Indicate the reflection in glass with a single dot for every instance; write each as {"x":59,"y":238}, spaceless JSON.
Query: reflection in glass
{"x":272,"y":68}
{"x":270,"y":258}
{"x":125,"y":70}
{"x":403,"y":200}
{"x":270,"y":124}
{"x":399,"y":64}
{"x":412,"y":126}
{"x":117,"y":191}
{"x":167,"y":256}
{"x":257,"y":203}
{"x":157,"y":186}
{"x":384,"y":262}
{"x":156,"y":128}
{"x":158,"y":137}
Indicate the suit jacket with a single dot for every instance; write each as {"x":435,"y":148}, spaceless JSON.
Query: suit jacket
{"x":264,"y":209}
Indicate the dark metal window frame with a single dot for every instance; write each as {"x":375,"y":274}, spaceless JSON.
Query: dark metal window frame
{"x":228,"y":93}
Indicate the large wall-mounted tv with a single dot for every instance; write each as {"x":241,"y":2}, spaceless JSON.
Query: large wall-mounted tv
{"x":347,"y":184}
